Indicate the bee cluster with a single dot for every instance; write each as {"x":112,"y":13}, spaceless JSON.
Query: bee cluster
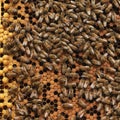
{"x":59,"y":60}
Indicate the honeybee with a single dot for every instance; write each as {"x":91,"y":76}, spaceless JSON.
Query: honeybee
{"x":35,"y":78}
{"x":82,"y":103}
{"x":96,"y":62}
{"x":18,"y":27}
{"x":27,"y":50}
{"x":67,"y":105}
{"x":81,"y":113}
{"x":34,"y":94}
{"x":63,"y":98}
{"x":99,"y":107}
{"x":71,"y":93}
{"x":11,"y":75}
{"x":72,"y":75}
{"x":29,"y":37}
{"x":24,"y":59}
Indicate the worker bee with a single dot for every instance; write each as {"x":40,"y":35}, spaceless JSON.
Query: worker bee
{"x":81,"y":113}
{"x":81,"y":84}
{"x":46,"y":114}
{"x":82,"y":104}
{"x":64,"y":68}
{"x":96,"y":62}
{"x":72,"y":75}
{"x":27,"y":50}
{"x":35,"y":78}
{"x":88,"y":10}
{"x":70,"y":93}
{"x":60,"y":117}
{"x":111,"y":69}
{"x":93,"y":85}
{"x":10,"y":74}
{"x":67,"y":105}
{"x":24,"y":59}
{"x":99,"y":107}
{"x":18,"y":27}
{"x":49,"y":66}
{"x":93,"y":15}
{"x":110,"y":52}
{"x":19,"y":117}
{"x":63,"y":80}
{"x":34,"y":94}
{"x":29,"y":37}
{"x":63,"y":98}
{"x":73,"y":47}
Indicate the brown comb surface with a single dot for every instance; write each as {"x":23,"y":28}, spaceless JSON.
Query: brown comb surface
{"x":59,"y":60}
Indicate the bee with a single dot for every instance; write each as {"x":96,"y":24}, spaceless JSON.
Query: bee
{"x":86,"y":37}
{"x":49,"y":66}
{"x":64,"y":68}
{"x":67,"y":105}
{"x":82,"y":104}
{"x":114,"y":100}
{"x":93,"y":15}
{"x":11,"y":75}
{"x":20,"y":78}
{"x":46,"y":114}
{"x":58,"y":31}
{"x":22,"y":111}
{"x":105,"y":118}
{"x":111,"y":60}
{"x":81,"y":84}
{"x":116,"y":3}
{"x":47,"y":45}
{"x":118,"y":98}
{"x":40,"y":88}
{"x":72,"y":75}
{"x":64,"y":91}
{"x":109,"y":7}
{"x":63,"y":98}
{"x":24,"y":59}
{"x":99,"y":107}
{"x":88,"y":10}
{"x":86,"y":75}
{"x":27,"y":50}
{"x":34,"y":94}
{"x":53,"y":56}
{"x":57,"y":16}
{"x":84,"y":68}
{"x":37,"y":101}
{"x":108,"y":77}
{"x":63,"y":80}
{"x":111,"y":69}
{"x":87,"y":62}
{"x":35,"y":78}
{"x":73,"y":47}
{"x":19,"y":117}
{"x":51,"y":15}
{"x":110,"y":52}
{"x":81,"y":113}
{"x":71,"y":93}
{"x":18,"y":27}
{"x":60,"y":117}
{"x":25,"y":89}
{"x":96,"y":62}
{"x":13,"y":90}
{"x":81,"y":92}
{"x":29,"y":37}
{"x":86,"y":46}
{"x":93,"y":85}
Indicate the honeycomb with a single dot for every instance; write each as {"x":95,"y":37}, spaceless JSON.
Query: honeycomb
{"x":59,"y":60}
